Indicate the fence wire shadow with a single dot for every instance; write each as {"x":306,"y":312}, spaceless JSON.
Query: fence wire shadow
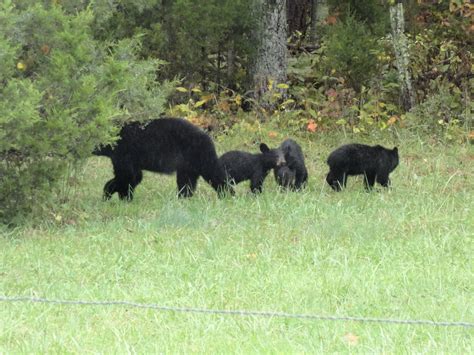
{"x":268,"y":314}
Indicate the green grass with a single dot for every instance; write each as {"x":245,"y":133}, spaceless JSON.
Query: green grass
{"x":405,"y":253}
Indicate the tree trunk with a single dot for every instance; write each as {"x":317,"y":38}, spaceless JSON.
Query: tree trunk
{"x":230,"y":65}
{"x":319,"y":11}
{"x":167,"y":24}
{"x":270,"y":62}
{"x":297,"y":14}
{"x":218,"y":71}
{"x":400,"y":46}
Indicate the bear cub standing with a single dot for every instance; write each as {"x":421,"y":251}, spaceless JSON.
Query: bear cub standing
{"x":163,"y":145}
{"x":294,"y":174}
{"x":375,"y":163}
{"x":284,"y":176}
{"x":240,"y":166}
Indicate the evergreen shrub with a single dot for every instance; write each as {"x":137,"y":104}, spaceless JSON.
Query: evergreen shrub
{"x":62,"y":93}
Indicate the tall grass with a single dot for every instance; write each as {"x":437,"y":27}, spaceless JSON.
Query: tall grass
{"x":400,"y":253}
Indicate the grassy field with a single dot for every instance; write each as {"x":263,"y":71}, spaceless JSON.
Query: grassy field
{"x":405,"y":253}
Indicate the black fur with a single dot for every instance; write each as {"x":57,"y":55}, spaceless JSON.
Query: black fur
{"x":375,"y":163}
{"x":163,"y":145}
{"x":294,"y":175}
{"x":285,"y":176}
{"x":240,"y":166}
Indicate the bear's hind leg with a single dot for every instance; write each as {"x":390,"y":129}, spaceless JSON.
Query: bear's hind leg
{"x":187,"y":182}
{"x":127,"y":177}
{"x":110,"y":188}
{"x":137,"y":178}
{"x":127,"y":188}
{"x":301,"y":178}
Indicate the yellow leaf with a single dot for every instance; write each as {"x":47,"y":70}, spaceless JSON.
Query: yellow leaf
{"x":196,"y":90}
{"x":392,"y":120}
{"x":181,"y":89}
{"x":200,"y":103}
{"x":21,"y":66}
{"x":289,"y":101}
{"x":270,"y":84}
{"x":238,"y":100}
{"x":252,"y":256}
{"x":283,"y":86}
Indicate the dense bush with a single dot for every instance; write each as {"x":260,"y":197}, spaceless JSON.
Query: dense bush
{"x":62,"y":94}
{"x":350,"y":52}
{"x":446,"y":112}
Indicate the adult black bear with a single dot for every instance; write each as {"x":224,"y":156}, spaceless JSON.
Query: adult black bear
{"x":162,"y":145}
{"x":375,"y":163}
{"x":294,"y":174}
{"x":240,"y":166}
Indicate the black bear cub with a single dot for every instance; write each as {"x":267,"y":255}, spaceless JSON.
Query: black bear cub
{"x":294,"y":174}
{"x":375,"y":163}
{"x":163,"y":145}
{"x":240,"y":166}
{"x":285,"y":177}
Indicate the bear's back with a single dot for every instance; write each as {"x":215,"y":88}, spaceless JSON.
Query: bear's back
{"x":239,"y":165}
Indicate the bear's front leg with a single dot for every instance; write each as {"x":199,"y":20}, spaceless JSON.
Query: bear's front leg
{"x":369,"y":180}
{"x":384,"y":180}
{"x":256,"y":183}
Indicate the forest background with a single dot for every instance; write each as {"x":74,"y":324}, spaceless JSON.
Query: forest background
{"x":74,"y":71}
{"x":325,"y":73}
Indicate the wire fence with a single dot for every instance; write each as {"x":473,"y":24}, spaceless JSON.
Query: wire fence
{"x":268,"y":314}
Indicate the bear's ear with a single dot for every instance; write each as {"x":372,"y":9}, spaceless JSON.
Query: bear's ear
{"x":264,"y":148}
{"x":395,"y":150}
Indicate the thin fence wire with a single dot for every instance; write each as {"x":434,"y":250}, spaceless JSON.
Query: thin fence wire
{"x":268,"y":314}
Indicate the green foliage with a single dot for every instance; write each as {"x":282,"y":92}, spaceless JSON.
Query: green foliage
{"x":206,"y":32}
{"x":193,"y":37}
{"x":447,"y":19}
{"x":322,"y":81}
{"x":326,"y":100}
{"x":62,"y":92}
{"x":373,"y":13}
{"x":443,"y":112}
{"x":372,"y":111}
{"x":350,"y":52}
{"x":435,"y":61}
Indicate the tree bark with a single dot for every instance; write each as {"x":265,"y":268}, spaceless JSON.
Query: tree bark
{"x":230,"y":65}
{"x":297,"y":14}
{"x":218,"y":71}
{"x":270,"y":62}
{"x":400,"y":45}
{"x":319,"y":11}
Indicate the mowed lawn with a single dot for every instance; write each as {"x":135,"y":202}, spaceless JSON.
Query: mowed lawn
{"x":405,"y":253}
